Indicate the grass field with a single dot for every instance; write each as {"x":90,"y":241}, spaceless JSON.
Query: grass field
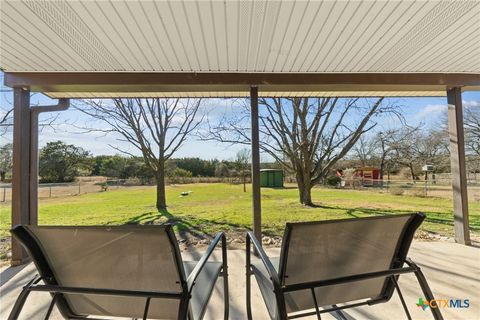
{"x":213,"y":207}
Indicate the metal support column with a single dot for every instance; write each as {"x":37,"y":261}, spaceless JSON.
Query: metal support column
{"x":457,"y":163}
{"x":35,"y":111}
{"x":21,"y":168}
{"x":25,"y":164}
{"x":257,"y":209}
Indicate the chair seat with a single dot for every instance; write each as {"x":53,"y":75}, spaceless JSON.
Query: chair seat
{"x":203,"y":287}
{"x":294,"y":302}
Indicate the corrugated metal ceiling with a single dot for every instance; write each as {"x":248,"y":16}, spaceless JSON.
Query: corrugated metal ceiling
{"x":241,"y":36}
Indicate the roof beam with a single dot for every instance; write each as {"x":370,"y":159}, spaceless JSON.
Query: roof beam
{"x":127,"y":84}
{"x":98,"y":81}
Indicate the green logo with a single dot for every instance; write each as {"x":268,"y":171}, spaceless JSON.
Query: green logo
{"x":422,"y":304}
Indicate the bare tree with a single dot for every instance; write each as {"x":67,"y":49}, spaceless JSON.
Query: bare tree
{"x":365,"y":149}
{"x":6,"y":160}
{"x":472,"y":130}
{"x":375,"y":149}
{"x":6,"y":114}
{"x":6,"y":119}
{"x":306,"y":136}
{"x":471,"y":121}
{"x":383,"y":151}
{"x":413,"y":147}
{"x":6,"y":109}
{"x":242,"y":160}
{"x":155,"y":127}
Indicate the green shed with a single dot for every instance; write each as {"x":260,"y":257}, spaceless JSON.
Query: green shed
{"x":271,"y":178}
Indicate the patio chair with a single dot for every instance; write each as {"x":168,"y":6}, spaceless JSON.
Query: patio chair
{"x":332,"y":265}
{"x":119,"y":271}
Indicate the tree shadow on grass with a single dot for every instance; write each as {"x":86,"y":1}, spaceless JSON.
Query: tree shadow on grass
{"x":189,"y":226}
{"x":322,"y":206}
{"x":431,"y":217}
{"x":185,"y":226}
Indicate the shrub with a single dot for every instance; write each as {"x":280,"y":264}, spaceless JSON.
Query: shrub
{"x":333,"y":181}
{"x":397,"y":191}
{"x":180,"y":175}
{"x":103,"y":186}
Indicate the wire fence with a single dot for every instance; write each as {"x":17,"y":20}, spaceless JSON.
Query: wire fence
{"x":55,"y":190}
{"x":438,"y":187}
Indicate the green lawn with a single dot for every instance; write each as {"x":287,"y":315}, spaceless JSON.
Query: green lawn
{"x":213,"y":207}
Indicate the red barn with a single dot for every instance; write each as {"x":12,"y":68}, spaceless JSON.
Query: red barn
{"x":370,"y":176}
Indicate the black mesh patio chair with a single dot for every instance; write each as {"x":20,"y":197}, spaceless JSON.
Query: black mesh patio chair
{"x":119,"y":271}
{"x":332,"y":265}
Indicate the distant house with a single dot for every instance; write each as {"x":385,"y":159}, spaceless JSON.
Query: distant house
{"x":370,"y":176}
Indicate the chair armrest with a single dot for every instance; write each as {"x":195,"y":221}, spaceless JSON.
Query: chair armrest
{"x":272,"y":272}
{"x":201,"y":263}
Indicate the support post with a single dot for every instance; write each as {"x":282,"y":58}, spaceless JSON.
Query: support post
{"x":33,"y":167}
{"x":458,"y":168}
{"x":21,"y":168}
{"x":257,"y":209}
{"x":63,"y":104}
{"x":25,"y":164}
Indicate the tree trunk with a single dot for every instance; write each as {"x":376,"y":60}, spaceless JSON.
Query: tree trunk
{"x":244,"y":182}
{"x":382,"y":168}
{"x":161,"y":198}
{"x":305,"y":195}
{"x":412,"y":172}
{"x":304,"y":190}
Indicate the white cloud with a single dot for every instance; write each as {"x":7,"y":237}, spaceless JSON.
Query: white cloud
{"x":431,"y":111}
{"x":471,"y":104}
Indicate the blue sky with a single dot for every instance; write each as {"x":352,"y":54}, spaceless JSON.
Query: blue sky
{"x":427,"y":111}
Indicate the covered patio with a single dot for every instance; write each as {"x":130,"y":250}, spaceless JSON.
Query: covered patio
{"x":452,"y":271}
{"x":249,"y":49}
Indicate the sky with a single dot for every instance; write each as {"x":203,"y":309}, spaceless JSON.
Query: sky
{"x":426,"y":111}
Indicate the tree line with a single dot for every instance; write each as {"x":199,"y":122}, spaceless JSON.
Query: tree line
{"x":61,"y":162}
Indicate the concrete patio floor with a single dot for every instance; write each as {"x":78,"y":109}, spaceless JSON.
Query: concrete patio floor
{"x":453,"y":271}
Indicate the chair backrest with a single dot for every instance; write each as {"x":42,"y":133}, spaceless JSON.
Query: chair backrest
{"x":140,"y":258}
{"x":316,"y":251}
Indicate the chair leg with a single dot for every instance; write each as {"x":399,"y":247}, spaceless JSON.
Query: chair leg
{"x":247,"y":282}
{"x":225,"y":278}
{"x":338,"y":313}
{"x":19,"y":303}
{"x":183,"y":310}
{"x":145,"y":311}
{"x":397,"y":287}
{"x":319,"y":317}
{"x":437,"y":315}
{"x":50,"y":307}
{"x":22,"y":297}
